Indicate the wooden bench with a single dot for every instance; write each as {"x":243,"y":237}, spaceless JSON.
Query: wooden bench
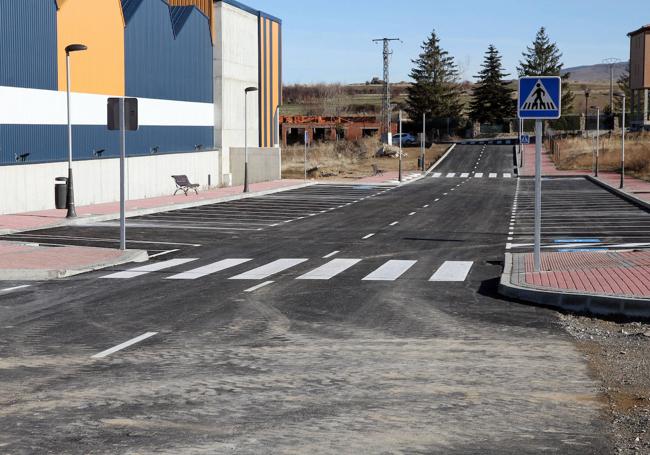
{"x":376,"y":170}
{"x":183,"y":184}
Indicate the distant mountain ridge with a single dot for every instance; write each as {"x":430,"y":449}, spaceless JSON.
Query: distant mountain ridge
{"x":594,"y":73}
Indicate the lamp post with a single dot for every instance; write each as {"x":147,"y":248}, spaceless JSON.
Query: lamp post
{"x":400,"y":146}
{"x":246,"y":91}
{"x":587,"y":93}
{"x":597,"y":108}
{"x":72,"y":213}
{"x":622,"y":95}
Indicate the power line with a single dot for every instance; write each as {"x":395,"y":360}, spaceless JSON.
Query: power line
{"x":385,"y":105}
{"x":611,"y":62}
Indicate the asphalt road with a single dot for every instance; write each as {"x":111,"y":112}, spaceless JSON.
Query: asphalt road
{"x":372,"y":327}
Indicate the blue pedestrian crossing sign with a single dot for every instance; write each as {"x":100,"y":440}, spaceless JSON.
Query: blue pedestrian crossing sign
{"x":540,"y":97}
{"x":525,"y":139}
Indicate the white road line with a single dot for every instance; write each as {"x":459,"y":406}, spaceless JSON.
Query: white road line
{"x":333,"y":253}
{"x":124,"y":345}
{"x":478,"y":175}
{"x":259,"y":286}
{"x":329,"y":270}
{"x":425,"y":206}
{"x":95,"y":239}
{"x":149,"y":268}
{"x":437,"y":174}
{"x":269,"y":269}
{"x":412,"y":213}
{"x":464,"y":175}
{"x":367,"y":236}
{"x":208,"y":269}
{"x":394,"y":223}
{"x":493,"y":175}
{"x":436,"y":200}
{"x":451,"y":174}
{"x":162,"y":253}
{"x":452,"y":271}
{"x":390,"y":271}
{"x":15,"y":288}
{"x":507,"y":175}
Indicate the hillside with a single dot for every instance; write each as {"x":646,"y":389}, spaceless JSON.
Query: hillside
{"x":595,"y":73}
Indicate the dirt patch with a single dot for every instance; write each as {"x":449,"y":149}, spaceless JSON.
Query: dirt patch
{"x":350,"y":159}
{"x":618,"y":354}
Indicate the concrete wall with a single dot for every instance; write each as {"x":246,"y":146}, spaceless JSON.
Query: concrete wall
{"x":264,"y":165}
{"x":31,"y":187}
{"x":236,"y":66}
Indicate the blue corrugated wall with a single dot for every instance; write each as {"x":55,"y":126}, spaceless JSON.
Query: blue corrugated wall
{"x":161,"y":66}
{"x":28,"y":44}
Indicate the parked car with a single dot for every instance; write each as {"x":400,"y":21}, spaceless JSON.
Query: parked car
{"x":407,"y":139}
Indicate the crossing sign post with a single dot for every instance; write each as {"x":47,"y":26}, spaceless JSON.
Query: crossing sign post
{"x":540,"y":98}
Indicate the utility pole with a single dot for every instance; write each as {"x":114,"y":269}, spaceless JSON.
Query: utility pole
{"x":385,"y":105}
{"x":611,"y":62}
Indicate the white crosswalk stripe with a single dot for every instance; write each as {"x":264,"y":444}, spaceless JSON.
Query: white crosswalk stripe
{"x":464,"y":175}
{"x":451,"y":174}
{"x":452,"y":271}
{"x":208,"y":269}
{"x":267,"y":270}
{"x":329,"y":270}
{"x":437,"y":174}
{"x":493,"y":175}
{"x":507,"y":175}
{"x":390,"y":271}
{"x":478,"y":175}
{"x":149,"y":268}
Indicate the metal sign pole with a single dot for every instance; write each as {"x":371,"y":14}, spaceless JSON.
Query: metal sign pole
{"x":122,"y":175}
{"x":538,"y":195}
{"x":305,"y":159}
{"x":400,"y":146}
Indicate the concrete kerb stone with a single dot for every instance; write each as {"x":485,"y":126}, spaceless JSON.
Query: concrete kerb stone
{"x":52,"y":274}
{"x":620,"y":193}
{"x":440,"y":160}
{"x":600,"y":305}
{"x":161,"y":209}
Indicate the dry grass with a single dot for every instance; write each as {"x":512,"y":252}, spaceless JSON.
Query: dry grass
{"x":578,"y":153}
{"x":350,"y":159}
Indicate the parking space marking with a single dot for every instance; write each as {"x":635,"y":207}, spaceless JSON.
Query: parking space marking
{"x":390,"y":271}
{"x":267,"y":270}
{"x":329,"y":270}
{"x":162,"y":253}
{"x":367,"y":236}
{"x":149,"y":268}
{"x":209,"y":269}
{"x":15,"y":288}
{"x":124,"y":345}
{"x":259,"y":286}
{"x":394,"y":223}
{"x":333,"y":253}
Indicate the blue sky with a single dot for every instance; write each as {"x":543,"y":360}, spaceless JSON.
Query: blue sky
{"x":330,"y":41}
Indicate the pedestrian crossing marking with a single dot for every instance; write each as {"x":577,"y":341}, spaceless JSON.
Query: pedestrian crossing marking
{"x":464,"y":175}
{"x":390,"y":271}
{"x":507,"y":175}
{"x":437,"y":174}
{"x":493,"y":175}
{"x":478,"y":175}
{"x":329,"y":270}
{"x":452,"y":271}
{"x":539,"y":99}
{"x":451,"y":174}
{"x":149,"y":268}
{"x":209,"y":269}
{"x":267,"y":270}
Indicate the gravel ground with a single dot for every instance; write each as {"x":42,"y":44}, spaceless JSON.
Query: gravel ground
{"x":618,"y":354}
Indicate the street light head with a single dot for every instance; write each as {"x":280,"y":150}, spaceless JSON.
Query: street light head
{"x":250,"y":89}
{"x":619,"y":94}
{"x":75,"y":48}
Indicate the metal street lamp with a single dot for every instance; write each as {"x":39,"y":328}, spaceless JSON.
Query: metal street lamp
{"x":246,"y":91}
{"x":72,"y":213}
{"x":622,"y":95}
{"x":597,"y":108}
{"x":400,"y":146}
{"x":587,"y":93}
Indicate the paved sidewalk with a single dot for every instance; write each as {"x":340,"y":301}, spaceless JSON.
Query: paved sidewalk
{"x":23,"y":261}
{"x":634,"y":187}
{"x":100,"y":212}
{"x":600,"y":282}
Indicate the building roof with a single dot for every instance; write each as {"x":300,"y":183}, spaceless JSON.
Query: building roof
{"x":247,"y":8}
{"x":644,"y":29}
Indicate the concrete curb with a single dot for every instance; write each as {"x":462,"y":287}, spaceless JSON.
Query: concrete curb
{"x":148,"y":211}
{"x":618,"y":192}
{"x":440,"y":160}
{"x":594,"y":304}
{"x":54,"y":274}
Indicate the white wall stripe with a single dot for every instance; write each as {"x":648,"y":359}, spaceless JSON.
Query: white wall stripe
{"x":149,"y":268}
{"x":208,"y":269}
{"x":329,"y":270}
{"x":390,"y":271}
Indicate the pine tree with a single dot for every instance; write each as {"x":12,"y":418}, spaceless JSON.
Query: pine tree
{"x":492,"y":98}
{"x":543,"y":58}
{"x":435,"y":90}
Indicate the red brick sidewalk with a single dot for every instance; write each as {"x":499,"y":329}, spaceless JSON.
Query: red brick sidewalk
{"x":49,"y":218}
{"x":633,"y":186}
{"x":601,"y":272}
